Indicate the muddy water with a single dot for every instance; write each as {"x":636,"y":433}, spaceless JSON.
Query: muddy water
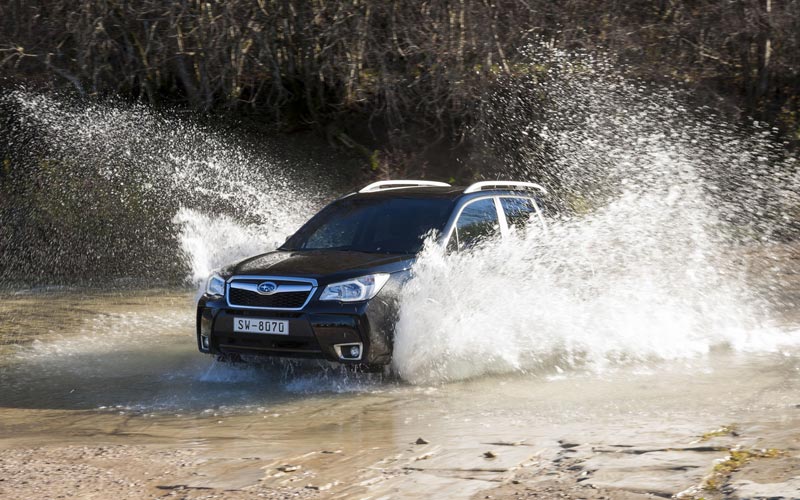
{"x":122,"y":369}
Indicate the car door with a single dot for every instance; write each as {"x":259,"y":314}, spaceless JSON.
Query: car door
{"x":478,"y":221}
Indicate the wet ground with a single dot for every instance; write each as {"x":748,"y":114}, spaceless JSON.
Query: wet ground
{"x":105,"y":395}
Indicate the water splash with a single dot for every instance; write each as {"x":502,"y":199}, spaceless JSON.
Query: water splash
{"x":126,"y":190}
{"x":650,"y":257}
{"x":208,"y":242}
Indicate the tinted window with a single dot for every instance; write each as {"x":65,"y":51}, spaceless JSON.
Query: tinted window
{"x":338,"y":233}
{"x":519,"y":212}
{"x":478,"y":221}
{"x":381,"y":225}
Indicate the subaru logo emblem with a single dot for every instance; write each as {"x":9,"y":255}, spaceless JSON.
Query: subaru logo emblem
{"x":267,"y":288}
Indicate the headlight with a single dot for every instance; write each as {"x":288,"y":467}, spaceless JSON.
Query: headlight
{"x":215,"y":286}
{"x":363,"y":288}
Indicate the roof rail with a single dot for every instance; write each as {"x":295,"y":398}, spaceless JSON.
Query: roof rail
{"x":377,"y":186}
{"x":480,"y":186}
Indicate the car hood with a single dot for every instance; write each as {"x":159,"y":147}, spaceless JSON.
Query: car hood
{"x":320,"y":264}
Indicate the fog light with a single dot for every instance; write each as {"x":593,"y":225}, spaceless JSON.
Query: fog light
{"x":349,"y":352}
{"x":204,"y":342}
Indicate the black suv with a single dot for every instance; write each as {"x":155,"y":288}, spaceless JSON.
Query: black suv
{"x":332,"y":290}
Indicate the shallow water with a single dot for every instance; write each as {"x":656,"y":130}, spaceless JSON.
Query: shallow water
{"x":135,"y":352}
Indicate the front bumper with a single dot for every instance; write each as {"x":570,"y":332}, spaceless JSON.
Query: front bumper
{"x":321,"y":331}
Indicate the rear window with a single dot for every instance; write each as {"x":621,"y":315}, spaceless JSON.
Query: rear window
{"x":374,"y":225}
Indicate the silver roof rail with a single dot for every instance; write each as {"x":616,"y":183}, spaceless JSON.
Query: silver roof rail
{"x":480,"y":186}
{"x":377,"y":186}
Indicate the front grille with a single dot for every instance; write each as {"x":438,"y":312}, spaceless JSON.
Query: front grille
{"x":241,"y":296}
{"x":291,"y":300}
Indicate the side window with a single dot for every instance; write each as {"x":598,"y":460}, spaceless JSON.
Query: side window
{"x":478,"y":221}
{"x":519,"y":212}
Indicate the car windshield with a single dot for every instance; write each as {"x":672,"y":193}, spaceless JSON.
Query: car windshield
{"x":374,"y":225}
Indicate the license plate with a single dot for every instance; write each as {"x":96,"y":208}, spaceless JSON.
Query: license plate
{"x":270,"y":326}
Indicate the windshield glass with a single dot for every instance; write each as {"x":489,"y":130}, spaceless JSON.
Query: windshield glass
{"x":375,"y":225}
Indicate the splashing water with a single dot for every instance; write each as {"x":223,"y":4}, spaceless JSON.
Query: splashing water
{"x":650,"y":265}
{"x":165,"y":185}
{"x":595,"y":291}
{"x":208,"y":241}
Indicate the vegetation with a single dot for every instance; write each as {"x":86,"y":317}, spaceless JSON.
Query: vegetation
{"x":737,"y":459}
{"x":725,"y":430}
{"x":402,"y":73}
